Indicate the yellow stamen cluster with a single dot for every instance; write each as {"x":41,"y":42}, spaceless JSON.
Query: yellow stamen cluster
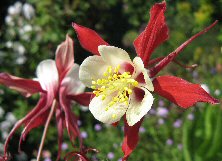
{"x":116,"y":84}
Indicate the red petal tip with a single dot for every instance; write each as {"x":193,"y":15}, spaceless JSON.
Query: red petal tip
{"x":181,"y":92}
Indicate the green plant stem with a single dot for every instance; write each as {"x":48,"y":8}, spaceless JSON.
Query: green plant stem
{"x":46,"y":129}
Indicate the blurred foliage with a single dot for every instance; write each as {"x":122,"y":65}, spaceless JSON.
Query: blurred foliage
{"x":25,"y":41}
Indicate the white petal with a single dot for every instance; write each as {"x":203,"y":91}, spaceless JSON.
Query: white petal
{"x":137,"y":109}
{"x":92,"y":67}
{"x":114,"y":56}
{"x":139,"y":66}
{"x":47,"y":75}
{"x":72,"y":82}
{"x":97,"y":107}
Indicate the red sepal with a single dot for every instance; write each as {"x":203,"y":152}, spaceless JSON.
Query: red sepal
{"x":154,"y":34}
{"x":60,"y":126}
{"x":24,"y":121}
{"x":181,"y":92}
{"x":70,"y":118}
{"x":65,"y":56}
{"x":26,"y":87}
{"x":82,"y":98}
{"x":164,"y":62}
{"x":131,"y":138}
{"x":89,"y":39}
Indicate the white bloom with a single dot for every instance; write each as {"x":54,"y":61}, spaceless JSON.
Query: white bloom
{"x":27,"y":28}
{"x":1,"y":91}
{"x":11,"y":10}
{"x":5,"y":125}
{"x":20,"y":60}
{"x":217,"y":92}
{"x":121,"y":86}
{"x":33,"y":159}
{"x":20,"y":49}
{"x":15,"y":9}
{"x":28,"y":11}
{"x":8,"y":44}
{"x":72,"y":82}
{"x":47,"y":75}
{"x":18,"y":7}
{"x":4,"y":135}
{"x":10,"y":117}
{"x":9,"y":21}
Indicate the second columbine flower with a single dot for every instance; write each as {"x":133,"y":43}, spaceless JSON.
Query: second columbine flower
{"x":121,"y":86}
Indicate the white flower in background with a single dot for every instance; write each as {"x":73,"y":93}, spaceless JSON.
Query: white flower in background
{"x":9,"y":21}
{"x":28,"y":11}
{"x":8,"y":44}
{"x":33,"y":159}
{"x":1,"y":91}
{"x":205,"y":87}
{"x":27,"y":28}
{"x":15,"y":9}
{"x":190,"y":116}
{"x":217,"y":92}
{"x":20,"y":60}
{"x":10,"y":117}
{"x":4,"y":135}
{"x":121,"y":86}
{"x":5,"y":125}
{"x":2,"y":112}
{"x":19,"y":48}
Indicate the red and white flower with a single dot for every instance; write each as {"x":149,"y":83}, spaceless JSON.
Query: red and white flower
{"x":121,"y":86}
{"x":176,"y":90}
{"x":56,"y":80}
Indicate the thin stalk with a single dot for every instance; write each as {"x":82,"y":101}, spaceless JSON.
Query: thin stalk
{"x":46,"y":129}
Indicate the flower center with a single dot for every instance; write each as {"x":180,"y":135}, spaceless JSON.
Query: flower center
{"x":114,"y":83}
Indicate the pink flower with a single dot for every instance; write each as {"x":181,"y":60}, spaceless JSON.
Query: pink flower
{"x":56,"y":80}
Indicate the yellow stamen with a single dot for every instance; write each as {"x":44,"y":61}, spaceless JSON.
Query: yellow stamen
{"x":114,"y":82}
{"x":113,"y":116}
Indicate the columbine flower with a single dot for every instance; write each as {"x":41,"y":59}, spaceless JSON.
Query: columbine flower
{"x":56,"y":80}
{"x":121,"y":86}
{"x":177,"y":90}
